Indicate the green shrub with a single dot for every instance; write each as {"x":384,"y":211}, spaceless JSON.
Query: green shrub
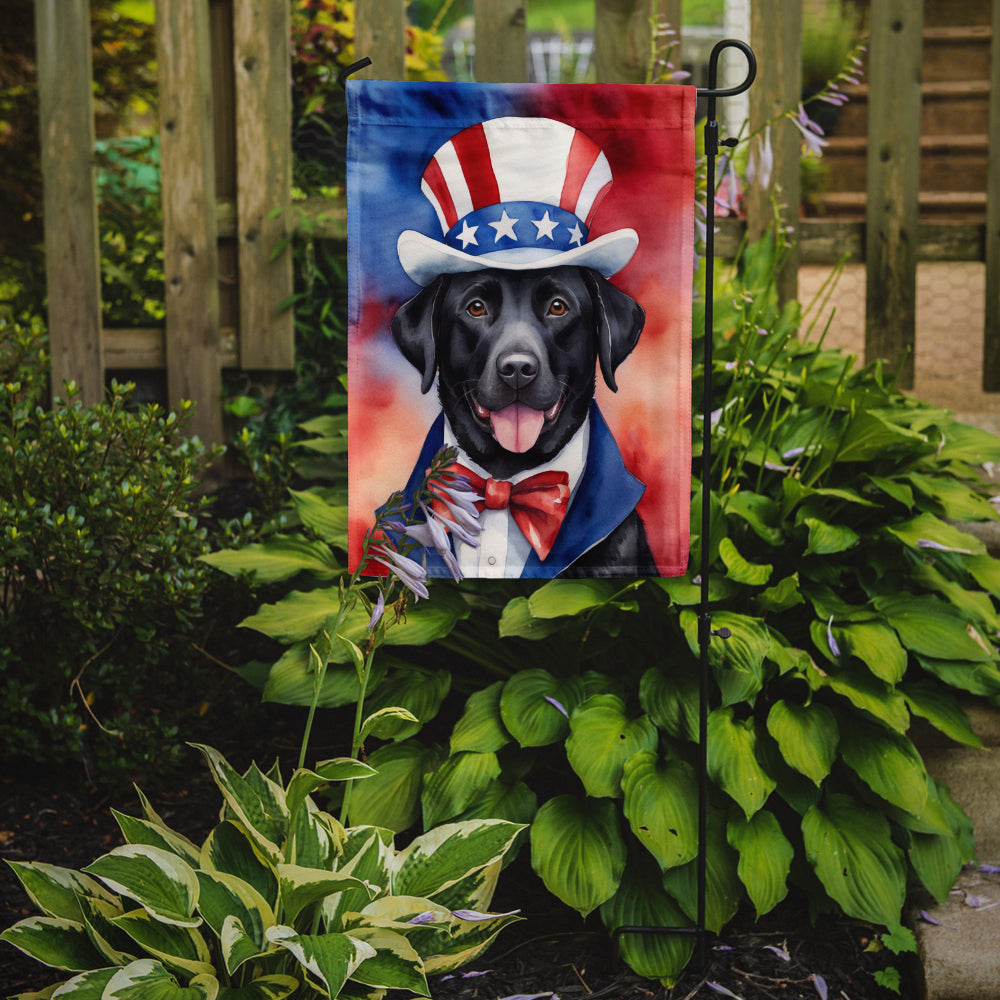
{"x":101,"y":587}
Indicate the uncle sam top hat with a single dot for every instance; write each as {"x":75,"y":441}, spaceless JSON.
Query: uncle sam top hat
{"x":517,"y":194}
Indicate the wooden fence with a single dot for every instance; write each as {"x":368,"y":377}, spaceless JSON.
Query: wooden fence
{"x":226,"y":161}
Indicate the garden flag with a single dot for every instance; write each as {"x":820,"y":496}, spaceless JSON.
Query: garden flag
{"x":520,"y":274}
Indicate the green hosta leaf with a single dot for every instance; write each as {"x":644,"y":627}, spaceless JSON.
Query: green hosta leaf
{"x":738,"y":661}
{"x":864,"y":691}
{"x":931,"y":628}
{"x":976,"y":678}
{"x":387,"y":723}
{"x":602,"y":738}
{"x":937,"y":859}
{"x":438,"y":859}
{"x":965,"y":443}
{"x":828,"y":539}
{"x":141,"y":831}
{"x":230,"y":849}
{"x":578,"y":851}
{"x":765,"y":858}
{"x":870,"y":435}
{"x":739,"y":569}
{"x":330,"y":959}
{"x":54,"y":941}
{"x":671,"y":700}
{"x":395,"y":964}
{"x":159,"y":881}
{"x":850,"y":848}
{"x":147,"y":979}
{"x":957,"y":501}
{"x":927,"y":528}
{"x":279,"y":558}
{"x":535,"y":706}
{"x":758,"y":511}
{"x":275,"y":987}
{"x":226,"y":898}
{"x":260,"y":809}
{"x":783,"y":595}
{"x":327,"y":520}
{"x":941,"y":709}
{"x":876,"y":646}
{"x":986,"y":571}
{"x":56,"y":891}
{"x":732,"y":760}
{"x":418,"y":691}
{"x":292,"y":680}
{"x":893,"y":488}
{"x":661,"y":799}
{"x":517,"y":620}
{"x":391,"y":798}
{"x":516,"y":803}
{"x":481,"y":728}
{"x":684,"y":592}
{"x":807,"y":736}
{"x":180,"y":948}
{"x":723,"y":889}
{"x":641,"y":901}
{"x":301,"y":887}
{"x":976,"y":605}
{"x":888,"y":763}
{"x":559,"y":598}
{"x":456,"y":784}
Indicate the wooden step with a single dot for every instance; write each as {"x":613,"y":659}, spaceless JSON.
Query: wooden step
{"x":956,"y":53}
{"x":945,"y":12}
{"x":958,"y":206}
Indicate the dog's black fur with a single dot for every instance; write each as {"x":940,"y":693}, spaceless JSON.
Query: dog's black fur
{"x":497,"y":337}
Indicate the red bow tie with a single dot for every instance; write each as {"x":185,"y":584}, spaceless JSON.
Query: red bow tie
{"x":537,"y":504}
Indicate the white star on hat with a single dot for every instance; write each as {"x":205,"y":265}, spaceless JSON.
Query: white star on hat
{"x":468,"y":235}
{"x":545,"y":227}
{"x":505,"y":227}
{"x":576,"y":235}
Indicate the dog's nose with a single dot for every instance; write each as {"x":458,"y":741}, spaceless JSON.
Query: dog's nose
{"x":517,"y":369}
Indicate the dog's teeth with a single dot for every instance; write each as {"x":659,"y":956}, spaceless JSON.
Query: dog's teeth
{"x":552,"y":411}
{"x":482,"y":412}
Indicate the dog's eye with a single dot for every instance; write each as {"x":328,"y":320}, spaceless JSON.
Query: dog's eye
{"x":558,"y":308}
{"x":476,"y":308}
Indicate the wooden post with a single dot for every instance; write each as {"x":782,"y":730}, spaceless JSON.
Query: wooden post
{"x":622,"y":40}
{"x":991,"y":333}
{"x":190,"y":254}
{"x":262,"y":61}
{"x":72,"y":255}
{"x":776,"y":35}
{"x":380,"y":34}
{"x":501,"y":41}
{"x":893,"y":183}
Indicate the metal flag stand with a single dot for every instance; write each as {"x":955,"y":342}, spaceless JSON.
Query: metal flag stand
{"x":705,"y":631}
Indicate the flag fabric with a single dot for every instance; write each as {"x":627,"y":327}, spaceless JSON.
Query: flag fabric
{"x":520,"y":264}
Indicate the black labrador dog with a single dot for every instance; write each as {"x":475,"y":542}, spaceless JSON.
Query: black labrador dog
{"x":517,"y":354}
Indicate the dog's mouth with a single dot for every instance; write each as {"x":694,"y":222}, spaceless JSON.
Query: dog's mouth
{"x":517,"y":426}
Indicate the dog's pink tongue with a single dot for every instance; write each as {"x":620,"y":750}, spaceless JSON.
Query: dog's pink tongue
{"x":516,"y":427}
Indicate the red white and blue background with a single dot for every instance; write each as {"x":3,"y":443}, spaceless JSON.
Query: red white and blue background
{"x":608,"y":184}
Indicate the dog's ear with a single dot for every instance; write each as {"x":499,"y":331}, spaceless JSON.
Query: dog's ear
{"x":618,"y":321}
{"x":414,"y":328}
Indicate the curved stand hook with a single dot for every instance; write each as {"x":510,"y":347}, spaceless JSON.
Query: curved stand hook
{"x":712,"y":91}
{"x":352,"y":68}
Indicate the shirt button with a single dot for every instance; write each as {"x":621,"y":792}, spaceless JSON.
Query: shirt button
{"x":492,"y":560}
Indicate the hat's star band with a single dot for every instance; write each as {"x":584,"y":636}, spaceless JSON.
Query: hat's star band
{"x":521,"y":224}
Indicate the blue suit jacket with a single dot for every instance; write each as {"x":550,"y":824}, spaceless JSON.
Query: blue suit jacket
{"x":606,"y":494}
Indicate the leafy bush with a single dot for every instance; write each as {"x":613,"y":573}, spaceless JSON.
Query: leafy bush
{"x":854,"y":604}
{"x":279,"y":899}
{"x":99,"y":540}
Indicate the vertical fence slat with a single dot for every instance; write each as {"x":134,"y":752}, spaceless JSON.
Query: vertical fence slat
{"x":190,"y":253}
{"x":380,"y":34}
{"x":893,"y":183}
{"x":261,"y":57}
{"x":72,"y":257}
{"x":501,"y":41}
{"x":776,"y":35}
{"x":991,"y":332}
{"x":621,"y":40}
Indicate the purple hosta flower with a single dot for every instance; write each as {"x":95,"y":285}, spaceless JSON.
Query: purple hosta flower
{"x":780,"y":952}
{"x":558,"y":705}
{"x":465,"y":975}
{"x":760,"y":165}
{"x":719,"y":988}
{"x":377,"y":612}
{"x":927,"y":543}
{"x":812,"y":134}
{"x":410,"y":573}
{"x":990,"y":869}
{"x":531,"y":996}
{"x":834,"y":647}
{"x":820,"y":983}
{"x":727,"y":198}
{"x":462,"y":519}
{"x":475,"y":915}
{"x":927,"y":918}
{"x":432,"y":534}
{"x":427,"y":917}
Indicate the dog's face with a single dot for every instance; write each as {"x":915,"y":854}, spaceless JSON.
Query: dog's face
{"x":517,"y":353}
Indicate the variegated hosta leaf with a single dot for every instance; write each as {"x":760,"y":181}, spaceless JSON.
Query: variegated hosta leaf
{"x":141,"y":831}
{"x":466,"y":941}
{"x":147,"y":979}
{"x":441,"y":857}
{"x":230,"y":849}
{"x":395,"y":964}
{"x":225,"y":897}
{"x":86,"y":986}
{"x":256,"y":801}
{"x":888,"y":763}
{"x":367,"y":853}
{"x":732,"y":760}
{"x":456,"y":784}
{"x":476,"y":890}
{"x":765,"y":858}
{"x":274,"y":987}
{"x":807,"y":736}
{"x":304,"y":782}
{"x":602,"y":737}
{"x":642,"y":902}
{"x":300,"y":887}
{"x":177,"y":947}
{"x":158,"y":880}
{"x":98,"y":915}
{"x":850,"y":847}
{"x":535,"y":706}
{"x":54,"y":941}
{"x":661,"y":800}
{"x":329,"y":959}
{"x":578,"y":851}
{"x":391,"y":799}
{"x":56,"y":891}
{"x":481,"y":726}
{"x":315,"y":838}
